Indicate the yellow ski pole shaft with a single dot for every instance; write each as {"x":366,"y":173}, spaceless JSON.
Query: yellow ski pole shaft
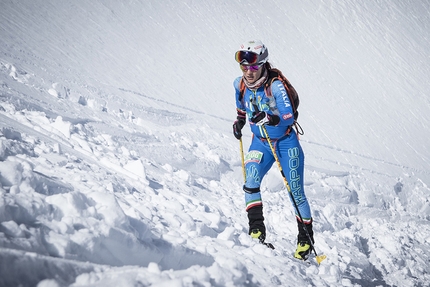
{"x":276,"y":158}
{"x":319,"y":258}
{"x":243,"y":160}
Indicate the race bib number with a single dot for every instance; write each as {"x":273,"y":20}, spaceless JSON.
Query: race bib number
{"x":253,"y":156}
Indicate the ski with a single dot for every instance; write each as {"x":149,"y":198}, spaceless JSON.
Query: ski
{"x":268,"y":245}
{"x":255,"y":233}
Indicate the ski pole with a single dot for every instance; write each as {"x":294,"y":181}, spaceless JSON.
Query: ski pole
{"x":319,"y":258}
{"x":243,"y":160}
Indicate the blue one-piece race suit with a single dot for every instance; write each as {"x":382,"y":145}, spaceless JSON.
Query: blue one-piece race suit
{"x":259,"y":158}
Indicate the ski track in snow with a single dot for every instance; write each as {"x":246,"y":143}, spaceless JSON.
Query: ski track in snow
{"x":102,"y":186}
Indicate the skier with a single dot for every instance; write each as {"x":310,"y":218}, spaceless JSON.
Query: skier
{"x":276,"y":115}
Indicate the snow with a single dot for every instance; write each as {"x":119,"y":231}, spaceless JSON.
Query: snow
{"x":118,"y":166}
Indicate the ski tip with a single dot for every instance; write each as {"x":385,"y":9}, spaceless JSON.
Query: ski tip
{"x":269,"y":245}
{"x":320,"y":258}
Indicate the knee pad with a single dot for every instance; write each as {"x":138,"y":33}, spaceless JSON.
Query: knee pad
{"x":251,"y":190}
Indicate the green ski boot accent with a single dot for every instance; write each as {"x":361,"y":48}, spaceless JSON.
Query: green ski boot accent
{"x":303,"y":250}
{"x":255,"y":233}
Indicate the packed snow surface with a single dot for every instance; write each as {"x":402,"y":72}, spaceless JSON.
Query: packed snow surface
{"x":118,"y":166}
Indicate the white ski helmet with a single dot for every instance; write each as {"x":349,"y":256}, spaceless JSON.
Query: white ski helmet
{"x":252,"y":52}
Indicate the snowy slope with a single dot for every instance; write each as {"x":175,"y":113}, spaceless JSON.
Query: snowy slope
{"x":118,"y":166}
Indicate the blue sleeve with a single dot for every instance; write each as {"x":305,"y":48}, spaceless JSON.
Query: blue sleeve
{"x":283,"y":104}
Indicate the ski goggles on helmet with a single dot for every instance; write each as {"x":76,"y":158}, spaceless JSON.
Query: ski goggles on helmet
{"x":252,"y":68}
{"x":246,"y":57}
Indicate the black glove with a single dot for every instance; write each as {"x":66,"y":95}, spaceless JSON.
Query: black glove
{"x":262,"y":118}
{"x":237,"y":128}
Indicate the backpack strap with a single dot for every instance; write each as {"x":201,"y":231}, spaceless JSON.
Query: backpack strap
{"x":241,"y":89}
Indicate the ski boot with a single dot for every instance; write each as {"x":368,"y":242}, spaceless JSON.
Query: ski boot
{"x":304,"y":244}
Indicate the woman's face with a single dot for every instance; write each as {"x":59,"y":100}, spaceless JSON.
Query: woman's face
{"x":252,"y":73}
